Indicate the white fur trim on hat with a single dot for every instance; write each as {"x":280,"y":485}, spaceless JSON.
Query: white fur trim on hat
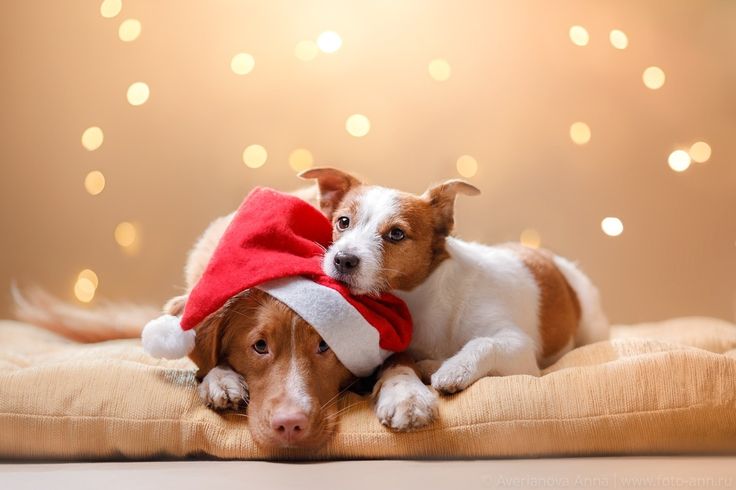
{"x":350,"y":336}
{"x":163,"y":338}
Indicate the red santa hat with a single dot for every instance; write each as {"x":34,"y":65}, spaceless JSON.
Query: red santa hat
{"x":276,"y":243}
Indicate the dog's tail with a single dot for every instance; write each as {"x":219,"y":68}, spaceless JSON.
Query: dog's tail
{"x":108,"y":321}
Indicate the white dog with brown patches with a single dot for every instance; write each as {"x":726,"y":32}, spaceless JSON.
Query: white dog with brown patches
{"x":478,"y":310}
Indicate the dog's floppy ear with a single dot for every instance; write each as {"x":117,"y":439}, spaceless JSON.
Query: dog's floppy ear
{"x":213,"y":334}
{"x":333,"y":185}
{"x":208,"y":343}
{"x":442,"y":199}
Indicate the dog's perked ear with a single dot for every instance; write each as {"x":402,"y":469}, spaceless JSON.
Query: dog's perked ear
{"x":442,"y":199}
{"x":333,"y":185}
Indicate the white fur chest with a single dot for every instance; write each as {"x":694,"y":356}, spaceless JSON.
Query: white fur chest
{"x":476,"y":292}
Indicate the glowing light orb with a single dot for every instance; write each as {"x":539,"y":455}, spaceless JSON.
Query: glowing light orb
{"x":700,"y":152}
{"x":329,"y":42}
{"x":92,"y":138}
{"x":301,"y":159}
{"x":129,"y":30}
{"x":255,"y":156}
{"x":125,"y":234}
{"x":654,"y":77}
{"x":619,"y":39}
{"x":530,"y":238}
{"x":94,"y":182}
{"x":90,"y":275}
{"x":84,"y":289}
{"x":579,"y":36}
{"x":358,"y":125}
{"x":679,"y":160}
{"x":110,"y":8}
{"x":580,"y":133}
{"x":467,"y":166}
{"x":242,"y":64}
{"x":138,"y":93}
{"x":612,"y":226}
{"x":439,"y":70}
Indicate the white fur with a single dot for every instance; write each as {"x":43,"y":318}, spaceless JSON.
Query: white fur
{"x":402,"y":401}
{"x":223,"y":389}
{"x":486,"y":323}
{"x":477,"y":314}
{"x":296,"y":386}
{"x":163,"y":337}
{"x":363,"y":240}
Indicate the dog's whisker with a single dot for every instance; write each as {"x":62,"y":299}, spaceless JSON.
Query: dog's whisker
{"x":343,"y":410}
{"x":334,"y":398}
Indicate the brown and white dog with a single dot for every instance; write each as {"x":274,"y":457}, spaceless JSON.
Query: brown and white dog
{"x":478,"y":310}
{"x":291,"y":391}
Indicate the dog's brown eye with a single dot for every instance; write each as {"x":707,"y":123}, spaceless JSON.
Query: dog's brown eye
{"x":261,"y":347}
{"x":396,"y":235}
{"x":342,"y":223}
{"x":323,"y":347}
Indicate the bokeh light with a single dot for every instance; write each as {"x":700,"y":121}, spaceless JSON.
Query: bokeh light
{"x":306,"y":50}
{"x":358,"y":125}
{"x":242,"y":63}
{"x":111,"y":8}
{"x":129,"y":30}
{"x":579,"y":36}
{"x":467,"y":166}
{"x":619,"y":39}
{"x":439,"y":70}
{"x":329,"y":42}
{"x":653,"y":77}
{"x":84,"y":289}
{"x":94,"y":182}
{"x":612,"y":226}
{"x":255,"y":156}
{"x":679,"y":160}
{"x":301,"y":159}
{"x":92,"y":138}
{"x":125,"y":234}
{"x":579,"y":133}
{"x":530,"y":238}
{"x":138,"y":93}
{"x":91,"y":276}
{"x":700,"y":152}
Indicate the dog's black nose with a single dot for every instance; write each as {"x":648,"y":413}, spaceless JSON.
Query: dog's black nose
{"x":346,"y":263}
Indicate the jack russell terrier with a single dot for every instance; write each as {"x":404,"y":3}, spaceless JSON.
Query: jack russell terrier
{"x":478,"y":310}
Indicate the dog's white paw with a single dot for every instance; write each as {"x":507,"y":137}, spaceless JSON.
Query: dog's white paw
{"x":224,"y":389}
{"x":406,"y":404}
{"x":453,"y":376}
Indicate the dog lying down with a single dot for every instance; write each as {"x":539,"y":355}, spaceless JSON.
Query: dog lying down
{"x":266,"y":335}
{"x":384,"y":240}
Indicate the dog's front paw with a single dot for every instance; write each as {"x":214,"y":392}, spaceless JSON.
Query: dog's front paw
{"x":406,"y":405}
{"x":452,"y":377}
{"x":224,"y":389}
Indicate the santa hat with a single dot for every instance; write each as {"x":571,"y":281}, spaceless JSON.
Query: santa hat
{"x":276,"y":243}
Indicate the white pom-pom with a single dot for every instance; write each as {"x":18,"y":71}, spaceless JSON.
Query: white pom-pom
{"x":163,"y":338}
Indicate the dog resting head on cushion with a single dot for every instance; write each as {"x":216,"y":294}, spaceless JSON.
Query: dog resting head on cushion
{"x":250,"y":347}
{"x":271,"y":325}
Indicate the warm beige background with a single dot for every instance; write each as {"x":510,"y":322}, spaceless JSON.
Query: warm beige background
{"x":517,"y":84}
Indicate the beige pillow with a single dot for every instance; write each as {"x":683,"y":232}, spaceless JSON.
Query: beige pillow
{"x":653,"y":389}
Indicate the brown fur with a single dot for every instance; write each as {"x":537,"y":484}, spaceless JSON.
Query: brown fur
{"x":426,"y":220}
{"x":227,"y":338}
{"x":559,"y":308}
